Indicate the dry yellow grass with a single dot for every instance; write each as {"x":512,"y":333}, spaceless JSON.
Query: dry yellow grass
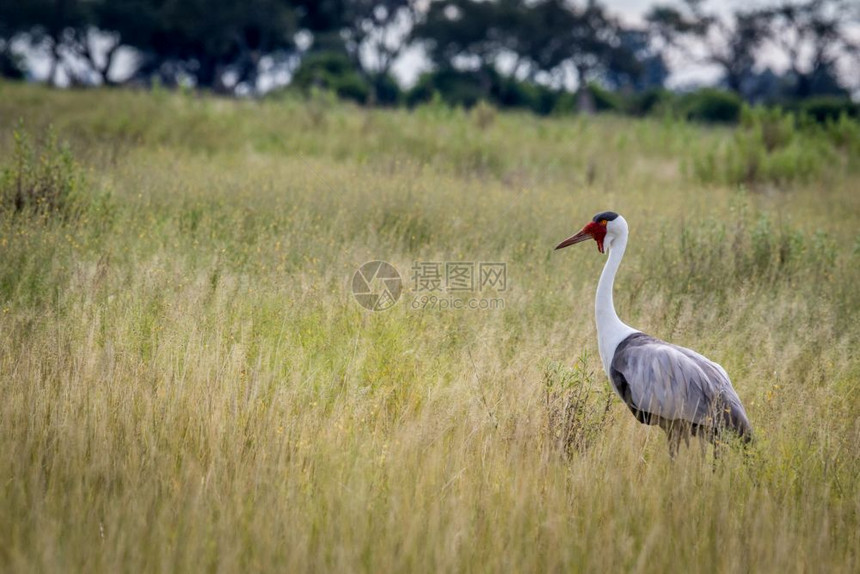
{"x":186,"y":383}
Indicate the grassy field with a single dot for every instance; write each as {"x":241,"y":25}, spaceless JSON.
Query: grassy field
{"x":187,"y":383}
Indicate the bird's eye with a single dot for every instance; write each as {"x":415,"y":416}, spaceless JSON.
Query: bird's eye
{"x":603,"y":222}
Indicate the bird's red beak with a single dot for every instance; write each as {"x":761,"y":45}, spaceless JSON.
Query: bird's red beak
{"x":591,"y":231}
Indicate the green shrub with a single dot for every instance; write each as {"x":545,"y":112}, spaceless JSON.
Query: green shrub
{"x":653,"y":101}
{"x":456,"y":88}
{"x":507,"y":92}
{"x":604,"y":100}
{"x":545,"y":101}
{"x":844,"y":133}
{"x":577,"y":407}
{"x":41,"y":179}
{"x":777,"y":147}
{"x":12,"y":65}
{"x":565,"y":103}
{"x":335,"y":72}
{"x":776,"y":129}
{"x":468,"y":88}
{"x":712,"y":105}
{"x":825,"y":109}
{"x":387,"y":91}
{"x":352,"y":87}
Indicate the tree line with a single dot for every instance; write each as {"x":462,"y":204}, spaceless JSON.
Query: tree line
{"x":511,"y":52}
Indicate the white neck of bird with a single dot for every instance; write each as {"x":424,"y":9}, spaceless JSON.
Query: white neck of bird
{"x":610,"y":329}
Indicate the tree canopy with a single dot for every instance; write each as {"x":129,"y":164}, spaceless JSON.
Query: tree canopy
{"x":226,"y":45}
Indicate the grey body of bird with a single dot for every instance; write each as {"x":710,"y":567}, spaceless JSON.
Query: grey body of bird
{"x":676,"y":388}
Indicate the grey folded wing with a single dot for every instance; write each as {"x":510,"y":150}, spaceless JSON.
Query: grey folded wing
{"x":658,"y":380}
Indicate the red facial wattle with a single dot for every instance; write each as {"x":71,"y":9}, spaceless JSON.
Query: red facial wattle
{"x":593,"y":230}
{"x":598,"y":232}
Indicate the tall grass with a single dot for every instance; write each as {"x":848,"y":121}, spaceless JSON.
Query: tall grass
{"x":186,"y":383}
{"x":772,"y":147}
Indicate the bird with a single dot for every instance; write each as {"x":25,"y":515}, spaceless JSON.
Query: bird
{"x":675,"y":388}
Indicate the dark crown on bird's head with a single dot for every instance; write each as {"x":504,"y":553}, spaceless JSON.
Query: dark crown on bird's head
{"x":607,"y":215}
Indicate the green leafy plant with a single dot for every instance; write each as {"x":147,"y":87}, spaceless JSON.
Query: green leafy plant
{"x":42,"y":178}
{"x":712,"y":105}
{"x":771,"y":146}
{"x":577,"y":408}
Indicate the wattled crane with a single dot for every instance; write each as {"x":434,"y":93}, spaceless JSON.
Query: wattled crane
{"x":662,"y":384}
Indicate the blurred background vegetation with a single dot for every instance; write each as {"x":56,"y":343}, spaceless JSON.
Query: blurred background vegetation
{"x":186,"y":383}
{"x":547,"y":56}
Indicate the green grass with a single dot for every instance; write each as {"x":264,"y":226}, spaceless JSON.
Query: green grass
{"x":186,"y":383}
